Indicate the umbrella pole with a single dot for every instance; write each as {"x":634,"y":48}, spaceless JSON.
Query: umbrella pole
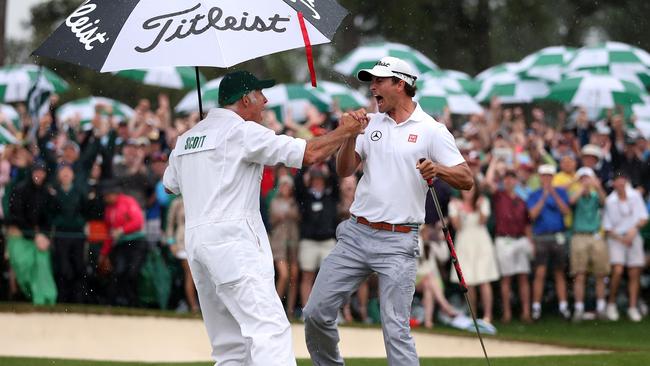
{"x":198,"y":89}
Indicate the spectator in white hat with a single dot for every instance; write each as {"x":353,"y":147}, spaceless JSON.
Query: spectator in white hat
{"x":588,"y":248}
{"x":592,"y":156}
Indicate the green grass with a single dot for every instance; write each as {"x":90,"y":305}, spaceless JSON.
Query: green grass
{"x":628,"y":342}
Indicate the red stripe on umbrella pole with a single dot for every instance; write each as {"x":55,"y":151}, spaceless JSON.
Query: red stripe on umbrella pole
{"x":308,"y":51}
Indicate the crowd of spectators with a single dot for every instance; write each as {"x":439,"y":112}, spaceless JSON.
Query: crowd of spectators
{"x":559,"y":204}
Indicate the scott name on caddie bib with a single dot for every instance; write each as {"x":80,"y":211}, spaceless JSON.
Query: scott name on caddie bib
{"x":194,"y":142}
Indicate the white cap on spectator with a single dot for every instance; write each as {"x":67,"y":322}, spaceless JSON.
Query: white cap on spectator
{"x":388,"y":67}
{"x":593,"y":150}
{"x":602,"y":128}
{"x":585,"y":171}
{"x":546,"y":169}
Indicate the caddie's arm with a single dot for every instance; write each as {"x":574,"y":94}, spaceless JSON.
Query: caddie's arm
{"x":319,"y":148}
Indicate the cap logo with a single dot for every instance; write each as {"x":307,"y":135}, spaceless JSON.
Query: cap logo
{"x":382,"y":63}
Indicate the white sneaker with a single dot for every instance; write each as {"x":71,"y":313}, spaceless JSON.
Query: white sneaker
{"x":536,"y":314}
{"x":578,"y":316}
{"x":634,"y":314}
{"x":612,"y":312}
{"x":566,"y":314}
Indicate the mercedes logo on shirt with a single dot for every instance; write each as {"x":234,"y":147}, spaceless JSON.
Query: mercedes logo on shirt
{"x":375,"y":136}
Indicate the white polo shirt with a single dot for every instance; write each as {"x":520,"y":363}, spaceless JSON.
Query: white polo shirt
{"x":392,"y":189}
{"x":620,"y":216}
{"x":217,"y":166}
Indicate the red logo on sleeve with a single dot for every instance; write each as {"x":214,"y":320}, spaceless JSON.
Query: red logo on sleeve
{"x":413,"y":138}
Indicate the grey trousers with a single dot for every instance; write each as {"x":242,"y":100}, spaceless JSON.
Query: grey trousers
{"x":360,"y":251}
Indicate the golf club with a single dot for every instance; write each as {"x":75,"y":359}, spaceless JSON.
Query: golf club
{"x":454,"y":261}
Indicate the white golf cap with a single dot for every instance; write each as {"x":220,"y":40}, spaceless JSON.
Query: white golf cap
{"x":585,"y":171}
{"x":388,"y":67}
{"x":546,"y":169}
{"x":591,"y":149}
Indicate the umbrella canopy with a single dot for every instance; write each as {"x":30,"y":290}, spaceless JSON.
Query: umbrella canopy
{"x":296,"y":98}
{"x":452,"y":80}
{"x":365,"y":57}
{"x":6,"y":137}
{"x":618,"y":59}
{"x":84,"y":110}
{"x":547,"y":64}
{"x":141,"y":34}
{"x":511,"y":89}
{"x":17,"y":80}
{"x":166,"y":77}
{"x":346,"y":97}
{"x":504,"y":68}
{"x":595,"y":91}
{"x":209,"y":95}
{"x":434,"y":98}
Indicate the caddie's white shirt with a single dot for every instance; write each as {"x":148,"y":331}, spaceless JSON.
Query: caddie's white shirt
{"x":217,"y":166}
{"x":392,"y":189}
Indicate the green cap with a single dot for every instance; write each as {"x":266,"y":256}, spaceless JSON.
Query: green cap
{"x":236,"y":84}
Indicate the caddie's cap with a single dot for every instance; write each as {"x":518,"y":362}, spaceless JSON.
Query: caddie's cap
{"x":236,"y":84}
{"x":388,"y":67}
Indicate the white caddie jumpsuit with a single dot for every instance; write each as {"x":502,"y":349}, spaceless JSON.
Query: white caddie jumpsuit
{"x":217,"y":167}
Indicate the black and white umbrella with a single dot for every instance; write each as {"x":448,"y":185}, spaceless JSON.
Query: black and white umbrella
{"x":113,"y":35}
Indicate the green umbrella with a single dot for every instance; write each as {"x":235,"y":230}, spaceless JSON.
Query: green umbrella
{"x":433,"y":97}
{"x":366,"y":57}
{"x":209,"y":95}
{"x":296,"y":97}
{"x":547,"y":64}
{"x":511,"y":88}
{"x":595,"y":91}
{"x":166,"y":77}
{"x":618,"y":59}
{"x":452,"y":80}
{"x":17,"y":80}
{"x":84,"y":110}
{"x":504,"y":68}
{"x":346,"y":97}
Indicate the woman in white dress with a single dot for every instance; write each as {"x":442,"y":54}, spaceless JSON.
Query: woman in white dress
{"x":474,"y":248}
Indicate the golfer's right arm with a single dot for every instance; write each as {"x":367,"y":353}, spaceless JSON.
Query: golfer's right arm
{"x":320,"y":148}
{"x":347,"y":159}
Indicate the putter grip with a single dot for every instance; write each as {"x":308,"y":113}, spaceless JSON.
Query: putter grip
{"x":429,"y":181}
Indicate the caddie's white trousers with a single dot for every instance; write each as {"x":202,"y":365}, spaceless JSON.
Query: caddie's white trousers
{"x":232,"y":266}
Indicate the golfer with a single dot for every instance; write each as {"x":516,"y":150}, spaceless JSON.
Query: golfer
{"x":382,"y":233}
{"x":217,"y":167}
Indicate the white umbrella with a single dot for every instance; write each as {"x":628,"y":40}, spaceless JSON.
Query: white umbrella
{"x":141,"y":34}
